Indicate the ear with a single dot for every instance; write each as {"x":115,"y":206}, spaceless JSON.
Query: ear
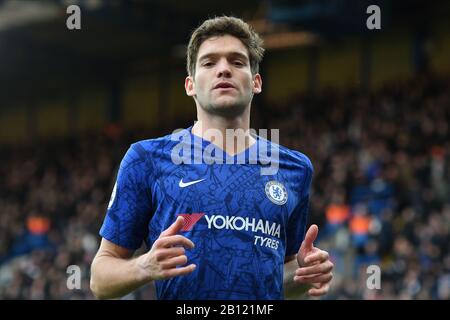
{"x":257,"y":83}
{"x":189,"y":86}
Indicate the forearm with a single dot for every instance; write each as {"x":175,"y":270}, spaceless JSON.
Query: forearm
{"x":115,"y":277}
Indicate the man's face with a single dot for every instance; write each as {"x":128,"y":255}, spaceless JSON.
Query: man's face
{"x":223,"y":83}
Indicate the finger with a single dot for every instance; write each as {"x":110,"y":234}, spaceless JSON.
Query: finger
{"x":320,"y":291}
{"x":322,"y":268}
{"x":174,"y":228}
{"x":320,"y":256}
{"x":173,"y":262}
{"x":176,"y":240}
{"x":164,"y":253}
{"x":175,"y":272}
{"x":322,"y":278}
{"x":316,"y":285}
{"x":310,"y":237}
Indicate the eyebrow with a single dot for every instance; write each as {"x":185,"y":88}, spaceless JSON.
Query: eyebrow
{"x":232,"y":54}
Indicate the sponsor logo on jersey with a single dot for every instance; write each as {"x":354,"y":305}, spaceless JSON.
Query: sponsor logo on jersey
{"x":182,"y":184}
{"x":190,"y":219}
{"x":241,"y":223}
{"x":219,"y":222}
{"x":232,"y":223}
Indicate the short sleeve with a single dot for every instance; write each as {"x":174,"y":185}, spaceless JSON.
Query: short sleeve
{"x":129,"y":209}
{"x":299,"y":217}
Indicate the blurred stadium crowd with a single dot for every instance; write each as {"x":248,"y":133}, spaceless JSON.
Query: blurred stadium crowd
{"x":381,"y":193}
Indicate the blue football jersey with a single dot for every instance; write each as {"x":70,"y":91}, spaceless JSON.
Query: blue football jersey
{"x":243,"y":223}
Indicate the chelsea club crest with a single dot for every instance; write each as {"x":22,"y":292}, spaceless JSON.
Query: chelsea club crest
{"x":276,"y":192}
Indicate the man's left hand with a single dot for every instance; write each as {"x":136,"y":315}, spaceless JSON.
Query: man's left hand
{"x":314,"y":265}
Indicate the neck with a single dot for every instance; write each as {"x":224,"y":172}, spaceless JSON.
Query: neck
{"x":209,"y":126}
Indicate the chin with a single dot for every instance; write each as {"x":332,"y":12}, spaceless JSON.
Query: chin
{"x":227,"y":110}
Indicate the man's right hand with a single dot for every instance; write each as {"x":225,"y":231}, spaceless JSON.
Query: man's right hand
{"x":167,"y":252}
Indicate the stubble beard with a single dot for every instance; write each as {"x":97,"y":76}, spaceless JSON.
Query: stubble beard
{"x":227,"y":110}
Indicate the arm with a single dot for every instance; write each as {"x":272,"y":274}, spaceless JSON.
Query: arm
{"x":114,"y":274}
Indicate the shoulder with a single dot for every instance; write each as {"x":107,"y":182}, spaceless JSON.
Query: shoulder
{"x":290,"y":157}
{"x":298,"y":158}
{"x":301,"y":164}
{"x":144,"y":148}
{"x":300,"y":167}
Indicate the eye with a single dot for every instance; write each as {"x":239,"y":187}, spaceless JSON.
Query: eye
{"x":238,"y":63}
{"x":208,"y":64}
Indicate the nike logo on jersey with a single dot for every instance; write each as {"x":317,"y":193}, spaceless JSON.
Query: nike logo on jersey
{"x":190,"y":183}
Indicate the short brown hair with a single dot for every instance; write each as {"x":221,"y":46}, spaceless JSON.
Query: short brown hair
{"x":220,"y":26}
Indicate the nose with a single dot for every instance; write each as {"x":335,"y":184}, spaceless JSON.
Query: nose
{"x":223,"y":69}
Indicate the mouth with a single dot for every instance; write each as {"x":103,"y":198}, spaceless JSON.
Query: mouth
{"x":224,"y":86}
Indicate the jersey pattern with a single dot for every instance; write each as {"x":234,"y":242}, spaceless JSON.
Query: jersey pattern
{"x":242,"y":223}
